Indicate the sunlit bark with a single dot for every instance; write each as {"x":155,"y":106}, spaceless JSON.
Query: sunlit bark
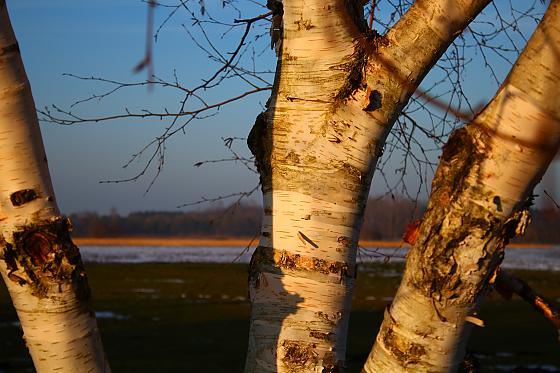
{"x":338,"y":90}
{"x":39,"y":263}
{"x":479,"y":198}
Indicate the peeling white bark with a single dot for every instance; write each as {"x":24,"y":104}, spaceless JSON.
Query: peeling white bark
{"x":39,"y":264}
{"x":486,"y":175}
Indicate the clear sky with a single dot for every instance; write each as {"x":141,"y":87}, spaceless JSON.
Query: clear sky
{"x":106,"y":38}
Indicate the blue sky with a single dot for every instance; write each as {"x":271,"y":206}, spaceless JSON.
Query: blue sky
{"x":106,"y":39}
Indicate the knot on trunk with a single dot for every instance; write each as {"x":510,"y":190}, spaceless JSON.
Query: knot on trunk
{"x":43,"y":256}
{"x":259,"y":142}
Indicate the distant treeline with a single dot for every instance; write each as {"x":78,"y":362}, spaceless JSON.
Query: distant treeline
{"x":384,"y":219}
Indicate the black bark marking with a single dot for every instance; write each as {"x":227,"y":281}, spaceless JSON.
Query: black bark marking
{"x":320,"y":335}
{"x":355,"y":79}
{"x":259,"y":142}
{"x":356,"y":11}
{"x":344,"y":241}
{"x":364,"y":48}
{"x":498,"y":202}
{"x":374,"y":101}
{"x":12,"y":48}
{"x":306,"y":239}
{"x":276,"y":30}
{"x":329,"y":319}
{"x":9,"y":256}
{"x":21,"y":197}
{"x":334,"y":140}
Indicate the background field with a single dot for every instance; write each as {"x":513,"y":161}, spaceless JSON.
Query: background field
{"x":194,"y":318}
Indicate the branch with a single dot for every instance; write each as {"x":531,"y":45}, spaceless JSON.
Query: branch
{"x":239,"y":195}
{"x":425,"y":31}
{"x":75,"y":119}
{"x":507,"y":284}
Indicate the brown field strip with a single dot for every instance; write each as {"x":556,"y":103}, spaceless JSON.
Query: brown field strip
{"x":231,"y":241}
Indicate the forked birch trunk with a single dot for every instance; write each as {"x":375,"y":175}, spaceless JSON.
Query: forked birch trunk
{"x":479,"y":200}
{"x":39,"y":263}
{"x":338,"y":89}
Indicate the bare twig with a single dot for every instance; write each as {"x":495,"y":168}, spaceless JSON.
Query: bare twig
{"x":552,"y":199}
{"x":239,"y":195}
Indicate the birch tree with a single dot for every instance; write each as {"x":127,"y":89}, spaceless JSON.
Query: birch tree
{"x":480,"y":196}
{"x":39,"y":263}
{"x":338,"y":90}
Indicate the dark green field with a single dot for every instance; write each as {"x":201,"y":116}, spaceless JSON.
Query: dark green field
{"x":194,"y":318}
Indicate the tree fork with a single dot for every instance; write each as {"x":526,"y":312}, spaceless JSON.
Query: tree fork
{"x":337,"y":92}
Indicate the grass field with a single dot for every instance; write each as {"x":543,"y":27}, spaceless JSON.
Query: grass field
{"x":194,"y":318}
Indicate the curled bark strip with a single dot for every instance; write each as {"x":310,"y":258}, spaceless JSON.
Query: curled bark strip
{"x":475,"y":321}
{"x":507,"y":284}
{"x":285,"y":260}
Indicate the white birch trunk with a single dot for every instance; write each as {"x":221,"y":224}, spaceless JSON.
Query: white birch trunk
{"x":337,"y":92}
{"x":39,"y":263}
{"x":479,"y":198}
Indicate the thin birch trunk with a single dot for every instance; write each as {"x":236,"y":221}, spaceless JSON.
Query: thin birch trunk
{"x":479,"y":200}
{"x":338,"y":90}
{"x":39,"y":263}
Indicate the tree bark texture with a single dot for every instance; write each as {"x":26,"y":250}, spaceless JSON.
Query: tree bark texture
{"x":338,"y":89}
{"x":39,"y":263}
{"x":479,"y":200}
